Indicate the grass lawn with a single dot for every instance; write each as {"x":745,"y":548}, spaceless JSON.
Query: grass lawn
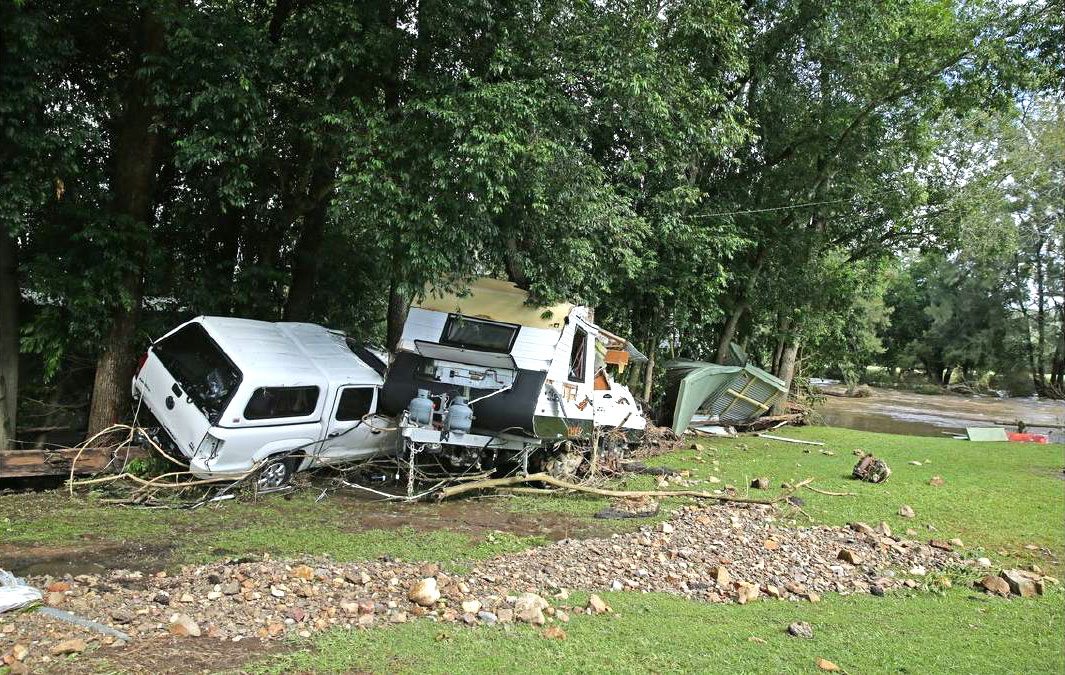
{"x":1005,"y":501}
{"x":917,"y":633}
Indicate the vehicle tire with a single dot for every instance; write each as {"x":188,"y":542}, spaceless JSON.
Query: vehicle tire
{"x":276,"y":473}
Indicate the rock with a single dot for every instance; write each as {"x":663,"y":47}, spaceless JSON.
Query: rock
{"x":1019,"y":583}
{"x":505,"y":615}
{"x":562,"y":616}
{"x":529,"y":607}
{"x":906,"y":511}
{"x":54,"y":599}
{"x":429,"y":570}
{"x":554,"y":633}
{"x":424,"y":592}
{"x":884,"y":529}
{"x":471,"y":606}
{"x":813,"y":597}
{"x":616,"y":585}
{"x":277,"y":592}
{"x":721,"y":575}
{"x":771,"y":544}
{"x":914,"y":462}
{"x":71,"y":646}
{"x":936,"y":481}
{"x":994,"y":585}
{"x":849,"y":556}
{"x":760,"y":483}
{"x":863,"y":528}
{"x":214,"y":595}
{"x":20,"y":652}
{"x":182,"y":625}
{"x":665,"y":528}
{"x":121,"y":615}
{"x":801,"y":629}
{"x":57,"y":587}
{"x":772,"y":591}
{"x":826,"y":665}
{"x":746,"y":592}
{"x":487,"y":617}
{"x":396,"y":616}
{"x":597,"y":605}
{"x":956,"y":543}
{"x":231,"y":588}
{"x":877,"y":590}
{"x":940,"y":544}
{"x":983,"y":562}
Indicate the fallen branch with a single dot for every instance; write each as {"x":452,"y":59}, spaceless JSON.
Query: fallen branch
{"x":788,"y":440}
{"x":831,"y":494}
{"x":493,"y":483}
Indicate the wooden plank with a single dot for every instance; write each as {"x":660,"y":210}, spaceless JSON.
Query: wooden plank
{"x":51,"y":462}
{"x":986,"y":434}
{"x":788,"y":440}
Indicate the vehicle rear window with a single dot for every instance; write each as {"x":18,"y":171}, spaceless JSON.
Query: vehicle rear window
{"x":200,"y":367}
{"x":462,"y":331}
{"x":280,"y":402}
{"x":354,"y":404}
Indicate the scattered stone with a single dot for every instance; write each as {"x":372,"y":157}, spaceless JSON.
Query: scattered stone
{"x":424,"y":592}
{"x":813,"y":597}
{"x":849,"y":556}
{"x":529,"y":607}
{"x":471,"y":606}
{"x":956,"y":543}
{"x":721,"y":575}
{"x":54,"y":599}
{"x":994,"y":585}
{"x":121,"y":615}
{"x":277,"y":592}
{"x":616,"y":585}
{"x":20,"y":652}
{"x":884,"y":529}
{"x":801,"y":629}
{"x":1019,"y":583}
{"x":231,"y":588}
{"x":554,"y":633}
{"x":57,"y":587}
{"x":746,"y":592}
{"x":597,"y":605}
{"x":983,"y":562}
{"x":303,"y":572}
{"x":71,"y":646}
{"x":665,"y":528}
{"x":914,"y":462}
{"x":940,"y":544}
{"x":487,"y":617}
{"x":760,"y":483}
{"x":771,"y":544}
{"x":182,"y":625}
{"x":826,"y":665}
{"x":863,"y":528}
{"x":906,"y":511}
{"x":936,"y":481}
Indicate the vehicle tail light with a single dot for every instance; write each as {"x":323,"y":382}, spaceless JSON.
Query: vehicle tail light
{"x":141,"y":361}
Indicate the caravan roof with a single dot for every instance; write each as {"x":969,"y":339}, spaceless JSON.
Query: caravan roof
{"x":497,"y":300}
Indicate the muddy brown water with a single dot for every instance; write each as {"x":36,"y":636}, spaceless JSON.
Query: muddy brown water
{"x":901,"y":412}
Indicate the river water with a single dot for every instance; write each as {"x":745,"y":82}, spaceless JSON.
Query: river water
{"x":902,"y":412}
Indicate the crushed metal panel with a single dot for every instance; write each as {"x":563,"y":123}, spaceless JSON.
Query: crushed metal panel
{"x":986,"y":434}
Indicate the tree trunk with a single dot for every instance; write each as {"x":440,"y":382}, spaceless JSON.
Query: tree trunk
{"x":9,"y":337}
{"x":398,"y":305}
{"x":728,"y":333}
{"x":135,"y":161}
{"x":649,"y":371}
{"x":787,"y":373}
{"x":309,"y":247}
{"x":1040,"y":314}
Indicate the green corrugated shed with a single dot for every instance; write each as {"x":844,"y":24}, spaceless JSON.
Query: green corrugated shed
{"x":727,"y":393}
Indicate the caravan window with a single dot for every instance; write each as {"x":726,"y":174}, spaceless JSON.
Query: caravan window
{"x":488,"y":336}
{"x":578,"y":355}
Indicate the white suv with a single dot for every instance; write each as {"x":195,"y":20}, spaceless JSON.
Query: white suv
{"x":235,"y":394}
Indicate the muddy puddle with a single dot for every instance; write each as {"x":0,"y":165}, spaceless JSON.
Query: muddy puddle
{"x":901,"y":412}
{"x":85,"y":558}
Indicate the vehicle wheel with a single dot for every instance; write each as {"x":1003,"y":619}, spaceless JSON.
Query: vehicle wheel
{"x":276,"y":474}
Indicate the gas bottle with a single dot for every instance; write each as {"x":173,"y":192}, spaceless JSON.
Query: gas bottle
{"x":459,"y":415}
{"x":421,"y":408}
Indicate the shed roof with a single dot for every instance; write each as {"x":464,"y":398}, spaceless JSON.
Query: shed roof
{"x":496,"y":300}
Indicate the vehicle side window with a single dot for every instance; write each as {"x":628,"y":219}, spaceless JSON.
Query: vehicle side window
{"x":354,"y":404}
{"x":278,"y":402}
{"x":578,"y":355}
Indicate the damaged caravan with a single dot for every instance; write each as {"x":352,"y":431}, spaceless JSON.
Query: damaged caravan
{"x":484,"y":378}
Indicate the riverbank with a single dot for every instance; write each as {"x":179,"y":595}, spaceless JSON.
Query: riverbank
{"x":927,"y":627}
{"x":897,"y":411}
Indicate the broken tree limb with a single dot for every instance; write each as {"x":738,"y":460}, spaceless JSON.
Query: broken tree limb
{"x":771,"y":437}
{"x":493,"y":483}
{"x":831,"y":494}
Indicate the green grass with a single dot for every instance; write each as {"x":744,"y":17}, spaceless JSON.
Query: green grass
{"x":917,"y":632}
